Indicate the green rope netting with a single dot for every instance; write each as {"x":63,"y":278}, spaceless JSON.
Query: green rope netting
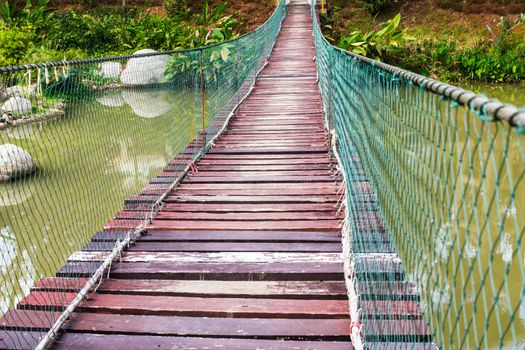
{"x":78,"y":138}
{"x":441,"y":184}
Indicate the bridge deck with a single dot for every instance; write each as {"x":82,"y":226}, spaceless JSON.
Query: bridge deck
{"x":246,"y":252}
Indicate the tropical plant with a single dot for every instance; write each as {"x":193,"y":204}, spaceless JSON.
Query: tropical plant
{"x":373,"y":43}
{"x":12,"y":13}
{"x":374,"y":6}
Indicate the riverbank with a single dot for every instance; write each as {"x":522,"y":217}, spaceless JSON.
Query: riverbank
{"x":440,"y":39}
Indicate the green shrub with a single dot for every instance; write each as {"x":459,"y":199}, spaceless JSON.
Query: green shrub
{"x":14,"y":42}
{"x":374,"y":43}
{"x":374,"y":6}
{"x":177,"y":8}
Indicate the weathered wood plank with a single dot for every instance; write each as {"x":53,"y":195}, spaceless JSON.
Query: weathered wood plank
{"x":297,"y":225}
{"x":307,"y":329}
{"x":224,"y":289}
{"x":216,"y":307}
{"x":247,"y":207}
{"x":240,"y":236}
{"x":93,"y":341}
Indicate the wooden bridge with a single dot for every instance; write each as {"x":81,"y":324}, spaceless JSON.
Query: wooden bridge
{"x":246,"y":251}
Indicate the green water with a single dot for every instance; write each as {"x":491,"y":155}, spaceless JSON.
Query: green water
{"x":506,"y":93}
{"x":457,"y":195}
{"x":89,"y":161}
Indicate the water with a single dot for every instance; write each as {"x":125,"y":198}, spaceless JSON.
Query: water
{"x":506,"y":93}
{"x":89,"y":161}
{"x":458,"y":200}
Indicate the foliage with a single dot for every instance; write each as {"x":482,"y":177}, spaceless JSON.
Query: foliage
{"x":500,"y":59}
{"x":177,"y":8}
{"x":374,"y":6}
{"x":212,"y":64}
{"x":14,"y":43}
{"x":29,"y":34}
{"x":373,"y":43}
{"x":31,"y":13}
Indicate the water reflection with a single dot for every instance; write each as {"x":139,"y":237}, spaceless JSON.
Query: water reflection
{"x":89,"y":162}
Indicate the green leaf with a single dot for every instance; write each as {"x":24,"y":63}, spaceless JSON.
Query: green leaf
{"x":217,"y":33}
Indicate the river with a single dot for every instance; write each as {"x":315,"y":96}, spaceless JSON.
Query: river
{"x":89,"y":161}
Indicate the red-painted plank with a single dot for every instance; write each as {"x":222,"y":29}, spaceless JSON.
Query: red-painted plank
{"x":299,"y":225}
{"x":240,"y":236}
{"x":224,"y":289}
{"x":216,"y":307}
{"x":326,"y":329}
{"x":91,"y":341}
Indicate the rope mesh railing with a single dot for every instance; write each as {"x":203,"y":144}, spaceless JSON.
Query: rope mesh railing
{"x":79,"y":137}
{"x":435,"y":181}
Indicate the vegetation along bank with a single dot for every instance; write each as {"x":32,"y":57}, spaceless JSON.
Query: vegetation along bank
{"x":455,"y":41}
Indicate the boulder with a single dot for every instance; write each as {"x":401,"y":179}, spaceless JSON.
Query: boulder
{"x":14,"y":91}
{"x":110,"y":69}
{"x":18,"y":105}
{"x":145,"y":70}
{"x":14,"y":162}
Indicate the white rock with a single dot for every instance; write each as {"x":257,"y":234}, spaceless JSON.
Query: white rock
{"x":14,"y":162}
{"x":14,"y":91}
{"x":110,"y":69}
{"x":145,"y":70}
{"x":18,"y":105}
{"x":148,"y":104}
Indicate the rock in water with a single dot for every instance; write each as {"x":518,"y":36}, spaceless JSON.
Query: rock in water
{"x":110,"y":69}
{"x":145,"y":70}
{"x":18,"y":105}
{"x":14,"y":162}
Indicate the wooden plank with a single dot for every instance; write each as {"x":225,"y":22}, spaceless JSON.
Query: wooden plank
{"x":391,"y":309}
{"x":240,"y":236}
{"x":247,"y":207}
{"x":92,"y":341}
{"x":261,"y":186}
{"x":60,"y":284}
{"x":411,"y":331}
{"x":313,"y":215}
{"x":252,"y":199}
{"x":296,"y":225}
{"x":28,"y":320}
{"x":229,"y":271}
{"x":270,"y":173}
{"x":315,"y":247}
{"x":224,"y":289}
{"x":307,"y":329}
{"x":258,"y":192}
{"x":19,"y":340}
{"x":216,"y":307}
{"x":213,"y":257}
{"x":261,"y":179}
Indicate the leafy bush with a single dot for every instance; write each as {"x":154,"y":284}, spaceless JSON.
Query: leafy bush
{"x":177,"y":8}
{"x":14,"y":42}
{"x":374,"y":6}
{"x":373,"y":43}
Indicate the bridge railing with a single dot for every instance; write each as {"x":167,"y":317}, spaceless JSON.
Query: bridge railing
{"x":447,"y":168}
{"x":79,"y":137}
